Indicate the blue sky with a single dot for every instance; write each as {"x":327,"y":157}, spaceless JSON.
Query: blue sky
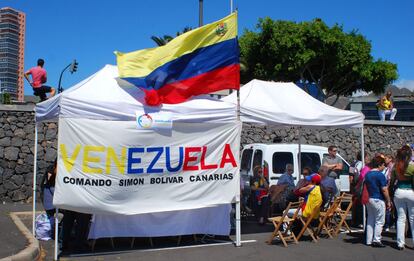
{"x":90,"y":30}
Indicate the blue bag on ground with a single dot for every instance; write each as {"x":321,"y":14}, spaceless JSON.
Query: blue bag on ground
{"x":44,"y":227}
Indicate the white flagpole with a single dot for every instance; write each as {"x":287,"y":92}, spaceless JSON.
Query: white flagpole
{"x":238,"y":214}
{"x":34,"y":180}
{"x":238,"y":205}
{"x":363,"y":163}
{"x":56,"y":234}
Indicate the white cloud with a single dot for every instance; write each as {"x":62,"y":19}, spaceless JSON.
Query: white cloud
{"x":409,"y":84}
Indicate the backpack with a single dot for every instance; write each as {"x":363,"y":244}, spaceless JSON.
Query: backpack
{"x":364,"y":195}
{"x":359,"y":187}
{"x":353,"y":171}
{"x":361,"y":192}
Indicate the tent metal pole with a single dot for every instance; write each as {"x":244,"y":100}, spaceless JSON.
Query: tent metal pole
{"x":238,"y":214}
{"x":364,"y":221}
{"x":56,"y":234}
{"x":34,"y":180}
{"x":300,"y":151}
{"x":238,"y":222}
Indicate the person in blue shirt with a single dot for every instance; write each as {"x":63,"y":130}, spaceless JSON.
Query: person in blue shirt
{"x":379,"y":200}
{"x":287,"y":178}
{"x":328,"y":186}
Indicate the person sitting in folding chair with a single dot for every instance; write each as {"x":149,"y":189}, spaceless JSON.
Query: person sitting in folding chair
{"x":328,"y":187}
{"x":312,"y":204}
{"x":313,"y":196}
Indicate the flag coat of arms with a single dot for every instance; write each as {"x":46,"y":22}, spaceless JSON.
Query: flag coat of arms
{"x":200,"y":61}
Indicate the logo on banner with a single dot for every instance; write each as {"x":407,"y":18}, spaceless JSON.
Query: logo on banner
{"x":154,"y":121}
{"x":145,"y":121}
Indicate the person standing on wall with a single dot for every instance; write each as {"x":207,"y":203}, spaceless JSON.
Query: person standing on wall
{"x":39,"y":77}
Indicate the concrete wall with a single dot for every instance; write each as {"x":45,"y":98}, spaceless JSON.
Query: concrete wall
{"x":17,"y":145}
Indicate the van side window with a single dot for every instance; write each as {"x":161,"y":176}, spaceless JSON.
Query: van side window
{"x":257,"y":158}
{"x":246,"y":160}
{"x":311,"y":160}
{"x":279,"y":161}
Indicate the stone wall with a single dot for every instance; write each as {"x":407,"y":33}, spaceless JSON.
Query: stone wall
{"x":379,"y":137}
{"x":17,"y":152}
{"x":17,"y":145}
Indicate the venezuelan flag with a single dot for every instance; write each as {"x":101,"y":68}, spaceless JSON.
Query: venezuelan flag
{"x":200,"y":61}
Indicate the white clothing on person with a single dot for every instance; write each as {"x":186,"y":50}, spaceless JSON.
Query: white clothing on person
{"x":404,"y":201}
{"x":382,"y":113}
{"x":375,"y":220}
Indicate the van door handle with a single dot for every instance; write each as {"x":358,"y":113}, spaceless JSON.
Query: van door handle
{"x":273,"y":178}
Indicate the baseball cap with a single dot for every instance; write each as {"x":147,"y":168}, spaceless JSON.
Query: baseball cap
{"x":314,"y":177}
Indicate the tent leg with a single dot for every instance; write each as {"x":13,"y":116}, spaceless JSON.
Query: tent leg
{"x":364,"y":221}
{"x":34,"y":180}
{"x":56,"y":234}
{"x":300,"y":152}
{"x":238,"y":224}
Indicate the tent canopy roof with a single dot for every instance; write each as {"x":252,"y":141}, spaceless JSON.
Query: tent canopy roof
{"x":104,"y":96}
{"x":276,"y":103}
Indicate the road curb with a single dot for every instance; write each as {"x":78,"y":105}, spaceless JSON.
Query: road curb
{"x":32,"y":251}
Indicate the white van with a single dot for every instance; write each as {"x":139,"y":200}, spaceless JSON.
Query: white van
{"x":274,"y":157}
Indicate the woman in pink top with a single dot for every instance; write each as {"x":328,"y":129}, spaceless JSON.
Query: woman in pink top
{"x":364,"y":171}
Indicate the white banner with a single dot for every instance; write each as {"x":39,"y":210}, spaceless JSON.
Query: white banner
{"x":118,"y":167}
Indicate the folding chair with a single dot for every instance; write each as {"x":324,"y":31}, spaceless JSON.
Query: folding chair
{"x":306,"y":222}
{"x":343,"y":214}
{"x":326,"y":219}
{"x":278,"y":222}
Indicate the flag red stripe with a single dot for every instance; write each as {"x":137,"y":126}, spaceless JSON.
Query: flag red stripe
{"x":227,"y":77}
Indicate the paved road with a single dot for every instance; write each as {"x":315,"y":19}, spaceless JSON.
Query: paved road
{"x":345,"y":247}
{"x":11,"y":239}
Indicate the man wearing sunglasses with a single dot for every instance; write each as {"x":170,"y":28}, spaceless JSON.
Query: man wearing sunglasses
{"x":332,"y":162}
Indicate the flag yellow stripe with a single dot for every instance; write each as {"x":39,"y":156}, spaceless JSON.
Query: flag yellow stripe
{"x":143,"y":62}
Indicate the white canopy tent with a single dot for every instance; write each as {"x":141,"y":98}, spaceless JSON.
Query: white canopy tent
{"x":104,"y":96}
{"x":285,"y":104}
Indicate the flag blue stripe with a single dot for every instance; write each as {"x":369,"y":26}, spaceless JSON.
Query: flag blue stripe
{"x":190,"y":65}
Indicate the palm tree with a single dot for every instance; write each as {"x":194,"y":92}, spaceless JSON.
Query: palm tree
{"x":160,"y":41}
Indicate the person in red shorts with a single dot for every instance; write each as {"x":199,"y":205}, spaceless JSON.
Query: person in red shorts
{"x":39,"y":77}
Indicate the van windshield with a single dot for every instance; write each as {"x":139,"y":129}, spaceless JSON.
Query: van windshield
{"x":246,"y":160}
{"x":279,"y":161}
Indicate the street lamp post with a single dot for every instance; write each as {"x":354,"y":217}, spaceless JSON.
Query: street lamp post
{"x":73,"y":68}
